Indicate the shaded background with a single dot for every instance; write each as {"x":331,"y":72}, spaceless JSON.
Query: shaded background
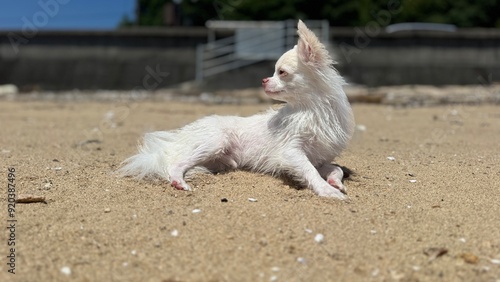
{"x":68,"y":44}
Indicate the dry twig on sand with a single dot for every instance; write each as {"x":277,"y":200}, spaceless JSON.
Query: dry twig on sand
{"x":28,"y":198}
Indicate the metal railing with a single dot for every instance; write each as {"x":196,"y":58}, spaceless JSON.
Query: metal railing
{"x":252,"y":42}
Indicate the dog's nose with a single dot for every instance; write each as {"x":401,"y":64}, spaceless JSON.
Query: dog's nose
{"x":265,"y":80}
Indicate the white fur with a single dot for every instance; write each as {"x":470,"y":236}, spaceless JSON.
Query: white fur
{"x":300,"y":139}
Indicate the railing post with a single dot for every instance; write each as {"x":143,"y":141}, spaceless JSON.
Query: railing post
{"x":289,"y":34}
{"x":200,"y":49}
{"x":325,"y":32}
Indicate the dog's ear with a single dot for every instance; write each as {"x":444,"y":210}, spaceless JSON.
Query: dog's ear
{"x":310,"y":50}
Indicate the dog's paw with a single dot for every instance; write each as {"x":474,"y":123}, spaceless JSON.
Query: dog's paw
{"x":331,"y":192}
{"x":337,"y":184}
{"x":180,"y":185}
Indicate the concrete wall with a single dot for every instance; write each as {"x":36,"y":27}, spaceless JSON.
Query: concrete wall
{"x":154,"y":58}
{"x":469,"y":56}
{"x":101,"y":60}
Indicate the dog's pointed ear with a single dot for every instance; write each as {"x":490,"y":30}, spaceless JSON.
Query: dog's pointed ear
{"x":310,"y":50}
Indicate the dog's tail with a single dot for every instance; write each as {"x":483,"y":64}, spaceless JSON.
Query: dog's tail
{"x":152,"y":160}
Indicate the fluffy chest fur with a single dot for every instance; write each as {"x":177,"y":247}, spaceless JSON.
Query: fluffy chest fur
{"x":263,"y":140}
{"x":318,"y":133}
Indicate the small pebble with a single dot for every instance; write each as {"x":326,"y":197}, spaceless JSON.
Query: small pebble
{"x":434,"y":253}
{"x":396,"y":275}
{"x":495,"y":261}
{"x":373,"y":231}
{"x":66,"y":270}
{"x":106,"y":210}
{"x":174,"y":233}
{"x":361,"y":127}
{"x":301,"y":260}
{"x":252,"y":200}
{"x":470,"y":258}
{"x":57,"y":168}
{"x":196,"y":211}
{"x":308,"y":231}
{"x":319,"y":238}
{"x":413,"y":180}
{"x":273,"y":278}
{"x":224,"y":200}
{"x":133,"y":252}
{"x":275,"y":269}
{"x":391,"y":158}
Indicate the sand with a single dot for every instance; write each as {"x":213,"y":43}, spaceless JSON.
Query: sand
{"x":424,"y":201}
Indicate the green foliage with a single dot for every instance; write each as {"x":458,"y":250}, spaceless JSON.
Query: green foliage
{"x":463,"y":13}
{"x":125,"y":22}
{"x":151,"y":12}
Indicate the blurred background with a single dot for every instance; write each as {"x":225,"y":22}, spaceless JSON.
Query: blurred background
{"x":233,"y":44}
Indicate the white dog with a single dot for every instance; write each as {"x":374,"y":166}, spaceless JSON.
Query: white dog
{"x":300,"y":139}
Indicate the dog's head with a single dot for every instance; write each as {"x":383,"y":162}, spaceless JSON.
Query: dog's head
{"x":298,"y":70}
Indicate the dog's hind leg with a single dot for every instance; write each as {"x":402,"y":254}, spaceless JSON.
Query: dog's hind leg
{"x":177,"y":169}
{"x":333,"y":174}
{"x":212,"y":154}
{"x":176,"y":173}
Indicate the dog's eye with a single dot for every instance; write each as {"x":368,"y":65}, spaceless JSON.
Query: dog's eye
{"x":282,"y":73}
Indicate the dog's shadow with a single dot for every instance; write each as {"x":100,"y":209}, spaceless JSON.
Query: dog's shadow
{"x":288,"y":180}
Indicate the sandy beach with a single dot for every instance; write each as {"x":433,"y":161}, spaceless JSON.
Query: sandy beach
{"x":423,"y":200}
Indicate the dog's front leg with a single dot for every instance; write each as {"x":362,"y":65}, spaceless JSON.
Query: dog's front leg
{"x":302,"y":169}
{"x":333,"y":175}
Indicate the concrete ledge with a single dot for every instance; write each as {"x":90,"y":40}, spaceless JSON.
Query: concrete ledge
{"x":401,"y":96}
